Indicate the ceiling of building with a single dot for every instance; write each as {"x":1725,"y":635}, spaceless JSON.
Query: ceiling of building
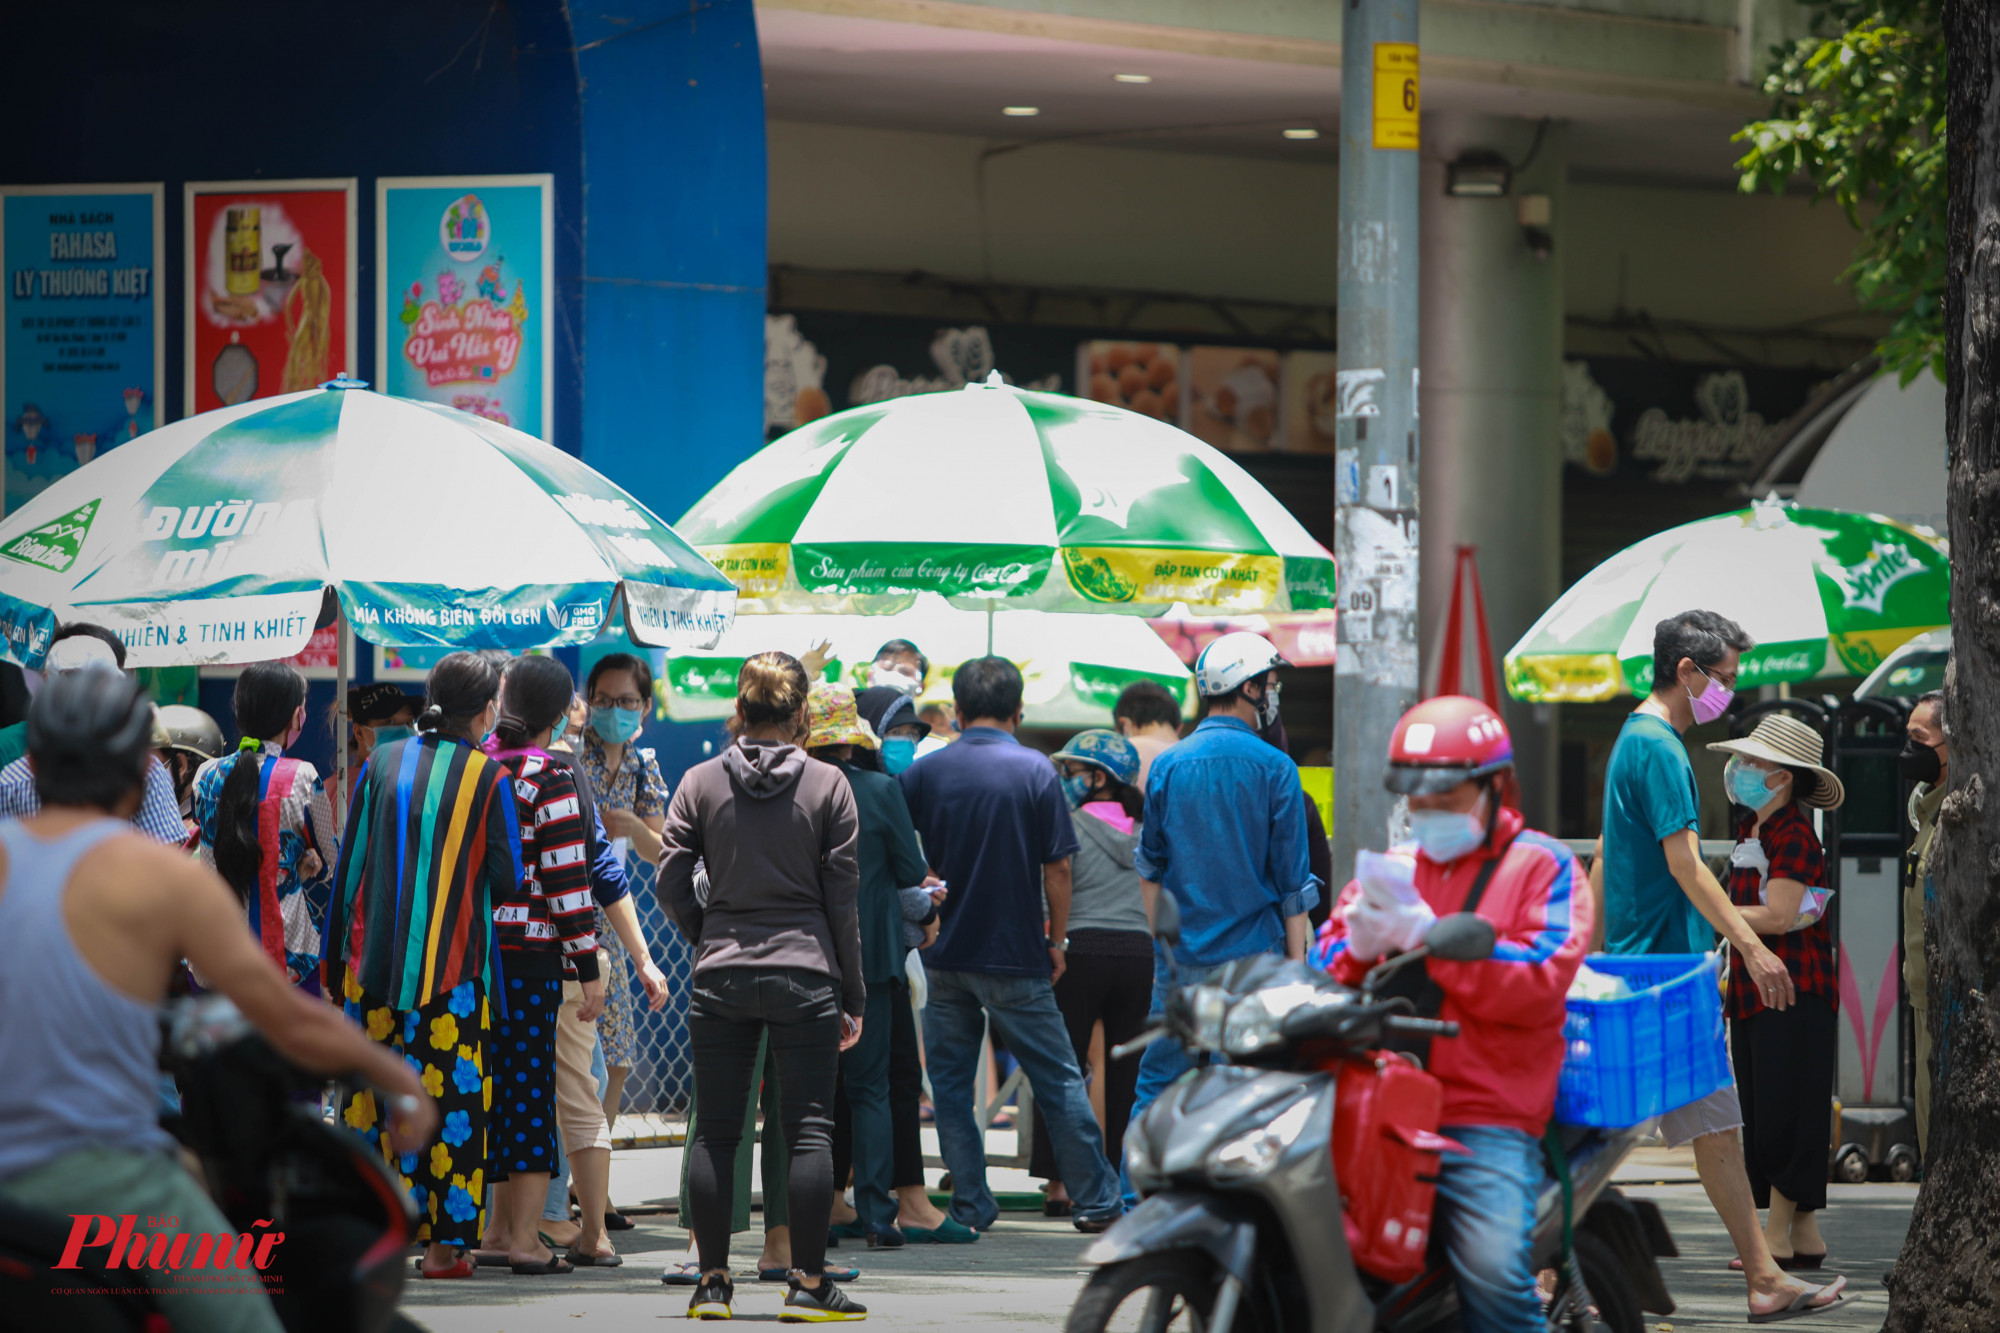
{"x":912,"y":76}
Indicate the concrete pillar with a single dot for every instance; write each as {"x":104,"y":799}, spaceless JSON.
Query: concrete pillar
{"x":1491,"y":467}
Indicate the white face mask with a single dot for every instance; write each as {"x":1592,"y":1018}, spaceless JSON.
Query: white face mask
{"x":894,"y":678}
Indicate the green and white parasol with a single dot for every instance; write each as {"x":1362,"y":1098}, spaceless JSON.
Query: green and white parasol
{"x":1823,"y":592}
{"x":1055,"y":504}
{"x":1073,"y":667}
{"x":215,"y":538}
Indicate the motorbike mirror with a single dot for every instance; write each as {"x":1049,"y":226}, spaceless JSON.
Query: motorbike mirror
{"x":1166,"y":919}
{"x":1462,"y":937}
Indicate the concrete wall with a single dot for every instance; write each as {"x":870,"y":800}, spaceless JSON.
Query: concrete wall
{"x":1079,"y":214}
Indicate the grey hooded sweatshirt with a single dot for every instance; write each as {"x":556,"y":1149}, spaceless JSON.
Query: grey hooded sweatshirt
{"x":777,"y":830}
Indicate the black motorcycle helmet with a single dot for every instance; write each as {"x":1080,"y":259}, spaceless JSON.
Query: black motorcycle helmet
{"x":90,"y":735}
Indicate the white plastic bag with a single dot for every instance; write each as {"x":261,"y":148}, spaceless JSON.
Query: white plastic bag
{"x":1750,"y":855}
{"x":1390,"y":915}
{"x":920,"y":986}
{"x":1594,"y":985}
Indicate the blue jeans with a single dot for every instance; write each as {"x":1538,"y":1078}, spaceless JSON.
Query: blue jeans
{"x":1486,"y":1218}
{"x":1166,"y":1059}
{"x":557,"y":1207}
{"x":1023,"y":1010}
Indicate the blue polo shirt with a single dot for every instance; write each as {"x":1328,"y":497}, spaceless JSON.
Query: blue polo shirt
{"x":1225,"y":833}
{"x":991,"y":814}
{"x":1649,"y":794}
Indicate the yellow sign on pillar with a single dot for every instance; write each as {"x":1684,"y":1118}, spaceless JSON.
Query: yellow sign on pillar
{"x":1396,"y":95}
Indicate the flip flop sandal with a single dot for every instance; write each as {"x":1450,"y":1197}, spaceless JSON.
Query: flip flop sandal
{"x":490,"y":1258}
{"x":830,"y":1273}
{"x":1802,"y":1304}
{"x":686,"y":1273}
{"x":582,"y":1260}
{"x":556,"y":1264}
{"x":463,"y":1268}
{"x":617,"y":1221}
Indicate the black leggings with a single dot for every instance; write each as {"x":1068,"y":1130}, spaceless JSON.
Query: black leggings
{"x":1118,"y":992}
{"x":1784,"y":1078}
{"x":728,"y":1010}
{"x":906,"y":1093}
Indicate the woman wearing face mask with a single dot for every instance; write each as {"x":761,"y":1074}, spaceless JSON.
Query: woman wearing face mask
{"x":625,"y":782}
{"x":432,"y":845}
{"x":1784,"y":1058}
{"x":1109,"y":979}
{"x":892,"y":714}
{"x":256,"y":801}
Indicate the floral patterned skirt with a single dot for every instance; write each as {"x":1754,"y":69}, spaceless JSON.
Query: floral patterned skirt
{"x":614,"y":1025}
{"x":445,"y":1043}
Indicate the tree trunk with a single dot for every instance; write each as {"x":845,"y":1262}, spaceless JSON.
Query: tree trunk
{"x":1948,"y":1278}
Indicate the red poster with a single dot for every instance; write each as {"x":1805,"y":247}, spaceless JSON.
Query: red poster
{"x":270,"y":305}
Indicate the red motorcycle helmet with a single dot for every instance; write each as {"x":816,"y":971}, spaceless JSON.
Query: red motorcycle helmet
{"x":1443,"y":742}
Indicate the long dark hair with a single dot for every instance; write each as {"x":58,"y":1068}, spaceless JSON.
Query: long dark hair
{"x":267,"y":695}
{"x":534,"y":692}
{"x":459,"y":688}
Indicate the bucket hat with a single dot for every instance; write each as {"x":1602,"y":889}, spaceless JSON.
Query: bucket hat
{"x":832,"y":719}
{"x":1778,"y":739}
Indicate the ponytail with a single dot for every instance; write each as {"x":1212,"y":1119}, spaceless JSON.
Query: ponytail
{"x":534,"y":692}
{"x":459,"y":688}
{"x":267,"y":696}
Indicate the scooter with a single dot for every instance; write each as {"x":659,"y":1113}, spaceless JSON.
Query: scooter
{"x":273,"y":1165}
{"x":1241,"y":1230}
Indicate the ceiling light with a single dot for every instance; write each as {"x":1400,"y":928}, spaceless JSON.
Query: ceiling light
{"x":1131,"y":78}
{"x":1020,"y":111}
{"x":1302,"y":134}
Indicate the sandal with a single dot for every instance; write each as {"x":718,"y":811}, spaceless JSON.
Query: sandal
{"x":463,"y":1268}
{"x":617,"y":1221}
{"x":582,"y":1260}
{"x":686,"y":1273}
{"x":556,"y":1264}
{"x":1802,"y":1304}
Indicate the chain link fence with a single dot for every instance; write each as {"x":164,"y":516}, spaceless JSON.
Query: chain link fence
{"x":662,"y":1079}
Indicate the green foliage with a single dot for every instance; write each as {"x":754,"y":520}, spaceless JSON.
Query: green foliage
{"x":1858,"y":112}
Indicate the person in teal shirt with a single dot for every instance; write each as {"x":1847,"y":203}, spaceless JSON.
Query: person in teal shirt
{"x":1656,"y":895}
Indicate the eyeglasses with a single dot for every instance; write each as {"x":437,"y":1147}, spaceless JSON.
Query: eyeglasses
{"x":625,"y":701}
{"x":1727,"y":682}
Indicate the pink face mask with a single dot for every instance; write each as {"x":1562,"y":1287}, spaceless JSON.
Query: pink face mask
{"x":1711,"y":703}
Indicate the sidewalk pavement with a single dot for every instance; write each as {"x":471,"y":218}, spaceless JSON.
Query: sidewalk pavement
{"x":1027,"y":1270}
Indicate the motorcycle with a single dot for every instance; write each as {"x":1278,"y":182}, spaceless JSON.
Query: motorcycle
{"x":273,"y":1165}
{"x":1242,"y":1228}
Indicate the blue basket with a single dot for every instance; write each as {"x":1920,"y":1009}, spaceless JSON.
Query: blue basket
{"x":1653,"y":1051}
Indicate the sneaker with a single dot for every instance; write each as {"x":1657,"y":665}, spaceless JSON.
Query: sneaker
{"x":712,"y":1297}
{"x":828,"y":1305}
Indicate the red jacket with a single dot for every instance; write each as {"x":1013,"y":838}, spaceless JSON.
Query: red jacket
{"x":1501,"y":1069}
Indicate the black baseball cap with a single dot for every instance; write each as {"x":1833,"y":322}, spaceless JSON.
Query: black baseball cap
{"x":372,"y":705}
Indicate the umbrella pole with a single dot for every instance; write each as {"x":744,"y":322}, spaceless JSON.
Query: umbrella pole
{"x":989,"y":626}
{"x":342,"y":636}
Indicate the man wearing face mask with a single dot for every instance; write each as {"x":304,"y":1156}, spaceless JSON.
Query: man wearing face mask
{"x":1225,"y":832}
{"x":1925,"y":760}
{"x":1659,"y":897}
{"x":1452,"y":757}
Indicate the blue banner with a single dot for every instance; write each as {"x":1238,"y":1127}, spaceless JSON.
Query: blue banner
{"x":79,"y":328}
{"x":465,"y":295}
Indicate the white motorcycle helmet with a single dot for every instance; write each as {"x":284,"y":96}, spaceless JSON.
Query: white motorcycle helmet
{"x":1233,"y":659}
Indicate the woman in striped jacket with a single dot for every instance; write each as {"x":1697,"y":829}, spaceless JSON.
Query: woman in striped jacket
{"x":548,"y":938}
{"x":432,"y":846}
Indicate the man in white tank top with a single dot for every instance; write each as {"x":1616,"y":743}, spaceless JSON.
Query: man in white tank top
{"x":94,"y":918}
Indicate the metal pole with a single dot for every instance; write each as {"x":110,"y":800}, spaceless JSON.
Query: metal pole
{"x":340,"y":720}
{"x":1375,"y":490}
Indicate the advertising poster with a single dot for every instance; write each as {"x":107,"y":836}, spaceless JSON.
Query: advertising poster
{"x":270,"y":279}
{"x":464,"y":294}
{"x":80,"y":352}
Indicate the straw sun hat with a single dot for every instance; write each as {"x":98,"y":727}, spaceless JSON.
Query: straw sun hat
{"x":1778,"y":739}
{"x":832,"y":719}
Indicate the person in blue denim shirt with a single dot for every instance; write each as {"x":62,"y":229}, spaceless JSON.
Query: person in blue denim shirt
{"x":996,"y":828}
{"x":1225,"y":833}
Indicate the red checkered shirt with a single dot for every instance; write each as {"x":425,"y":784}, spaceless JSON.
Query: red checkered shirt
{"x":1796,"y":854}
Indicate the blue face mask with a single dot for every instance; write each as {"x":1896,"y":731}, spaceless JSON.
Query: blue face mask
{"x":1445,"y":835}
{"x":390,"y":735}
{"x":615,"y":726}
{"x":1077,"y":787}
{"x":1747,"y":786}
{"x":561,"y":727}
{"x":898,"y":753}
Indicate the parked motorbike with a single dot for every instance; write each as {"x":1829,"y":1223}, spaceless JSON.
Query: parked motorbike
{"x":273,"y":1165}
{"x":1242,"y":1228}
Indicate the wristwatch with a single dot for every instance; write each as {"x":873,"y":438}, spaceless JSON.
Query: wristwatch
{"x":1062,"y":947}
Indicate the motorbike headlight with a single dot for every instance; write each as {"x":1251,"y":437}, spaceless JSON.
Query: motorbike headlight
{"x":1254,"y":1154}
{"x":1207,"y":1007}
{"x":1253,"y":1023}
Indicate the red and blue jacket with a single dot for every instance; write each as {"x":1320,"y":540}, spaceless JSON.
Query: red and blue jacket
{"x":1501,"y":1069}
